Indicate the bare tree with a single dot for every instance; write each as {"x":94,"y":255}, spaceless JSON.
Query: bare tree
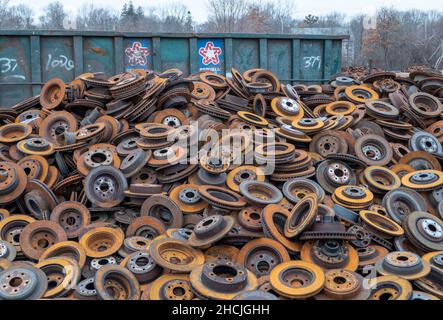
{"x":91,"y":17}
{"x":3,"y":10}
{"x":226,"y":15}
{"x":280,"y":16}
{"x":332,"y":20}
{"x":400,"y":39}
{"x":150,"y":21}
{"x":139,"y":19}
{"x":269,"y":17}
{"x":175,"y":17}
{"x":54,"y":16}
{"x":357,"y":35}
{"x":21,"y":17}
{"x":15,"y":17}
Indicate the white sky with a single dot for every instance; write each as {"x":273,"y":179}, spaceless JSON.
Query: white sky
{"x":303,"y":7}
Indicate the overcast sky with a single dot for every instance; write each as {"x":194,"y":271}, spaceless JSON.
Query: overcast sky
{"x":303,"y":7}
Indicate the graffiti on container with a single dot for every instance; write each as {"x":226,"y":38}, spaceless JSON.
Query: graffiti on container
{"x":60,"y":62}
{"x":7,"y":68}
{"x":211,"y":55}
{"x":245,"y":58}
{"x":137,"y":54}
{"x":313,"y":62}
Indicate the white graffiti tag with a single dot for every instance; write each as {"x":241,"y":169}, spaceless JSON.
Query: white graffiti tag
{"x":8,"y":66}
{"x":313,"y":62}
{"x":60,"y":62}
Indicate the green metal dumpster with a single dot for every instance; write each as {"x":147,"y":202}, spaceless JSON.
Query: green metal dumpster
{"x":29,"y":58}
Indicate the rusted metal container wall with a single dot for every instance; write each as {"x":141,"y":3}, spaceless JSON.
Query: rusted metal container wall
{"x":28,"y":59}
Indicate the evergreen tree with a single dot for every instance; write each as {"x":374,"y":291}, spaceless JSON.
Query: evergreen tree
{"x":124,"y":10}
{"x":131,"y":10}
{"x":189,"y":22}
{"x":311,"y":19}
{"x":140,"y":13}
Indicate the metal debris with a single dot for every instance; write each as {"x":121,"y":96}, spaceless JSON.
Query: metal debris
{"x":157,"y":186}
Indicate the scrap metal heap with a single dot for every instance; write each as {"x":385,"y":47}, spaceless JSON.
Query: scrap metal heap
{"x":99,"y":202}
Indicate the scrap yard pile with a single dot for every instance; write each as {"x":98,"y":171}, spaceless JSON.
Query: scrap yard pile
{"x":128,"y":188}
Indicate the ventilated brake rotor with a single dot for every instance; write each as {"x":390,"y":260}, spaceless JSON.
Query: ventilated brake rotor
{"x":424,"y":230}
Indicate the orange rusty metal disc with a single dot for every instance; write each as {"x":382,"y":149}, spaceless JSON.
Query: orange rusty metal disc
{"x":102,"y":242}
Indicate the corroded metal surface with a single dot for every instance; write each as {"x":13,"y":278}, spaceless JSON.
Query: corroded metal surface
{"x":158,"y":186}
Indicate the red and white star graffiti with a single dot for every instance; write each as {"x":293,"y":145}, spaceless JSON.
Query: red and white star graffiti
{"x":137,"y":55}
{"x":210,"y":53}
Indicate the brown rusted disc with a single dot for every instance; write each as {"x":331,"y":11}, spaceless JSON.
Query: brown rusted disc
{"x":11,"y":228}
{"x":4,"y":214}
{"x":328,"y":142}
{"x":171,"y":117}
{"x":244,"y":173}
{"x":260,"y":256}
{"x":171,"y":287}
{"x":96,"y":156}
{"x":302,"y":216}
{"x":221,"y":197}
{"x":166,"y":156}
{"x":164,"y":209}
{"x":390,"y":288}
{"x":370,"y":255}
{"x":297,"y":279}
{"x":68,"y":249}
{"x":420,"y":160}
{"x":274,"y":218}
{"x":259,"y":105}
{"x":38,"y":236}
{"x":206,"y":280}
{"x":214,"y":80}
{"x":72,"y":217}
{"x":90,"y":131}
{"x":35,"y":167}
{"x":344,"y":285}
{"x":13,"y":182}
{"x":214,"y":165}
{"x":209,"y":230}
{"x":373,"y":150}
{"x":250,"y":218}
{"x":56,"y":124}
{"x":175,"y":255}
{"x":203,"y":91}
{"x":14,"y":132}
{"x":39,"y":199}
{"x":63,"y":273}
{"x":330,"y":254}
{"x":53,"y":177}
{"x":112,"y":127}
{"x":221,"y":251}
{"x":265,"y":76}
{"x":188,"y":199}
{"x":146,"y":226}
{"x":53,"y":94}
{"x":102,"y":241}
{"x":381,"y":225}
{"x":36,"y":146}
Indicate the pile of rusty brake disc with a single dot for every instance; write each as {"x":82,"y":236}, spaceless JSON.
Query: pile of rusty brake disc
{"x":158,"y":186}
